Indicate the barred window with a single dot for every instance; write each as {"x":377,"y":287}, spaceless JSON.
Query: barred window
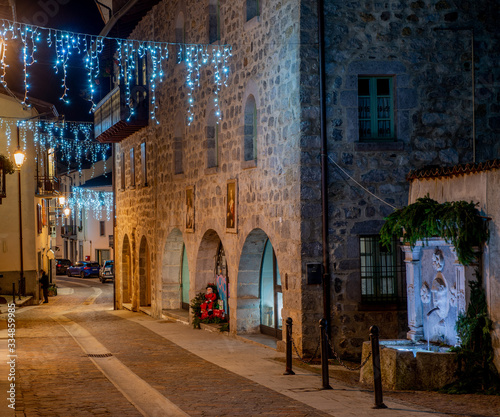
{"x":376,"y":109}
{"x":382,"y":271}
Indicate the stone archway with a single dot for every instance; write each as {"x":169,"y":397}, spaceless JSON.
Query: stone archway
{"x":249,"y":283}
{"x":125,"y":271}
{"x":205,"y":261}
{"x":144,"y":274}
{"x":171,"y":274}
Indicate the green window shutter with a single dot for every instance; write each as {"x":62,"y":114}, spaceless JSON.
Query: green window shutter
{"x":376,"y":108}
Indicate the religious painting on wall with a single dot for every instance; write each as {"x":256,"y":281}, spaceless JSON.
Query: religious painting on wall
{"x":190,"y":209}
{"x":231,"y":206}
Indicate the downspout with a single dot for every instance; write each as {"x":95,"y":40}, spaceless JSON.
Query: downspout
{"x":324,"y":165}
{"x":113,"y":148}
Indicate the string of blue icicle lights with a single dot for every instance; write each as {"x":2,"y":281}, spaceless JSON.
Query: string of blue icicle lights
{"x":129,"y":53}
{"x":91,"y":203}
{"x":74,"y":141}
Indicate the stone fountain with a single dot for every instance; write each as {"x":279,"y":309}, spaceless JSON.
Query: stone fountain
{"x":437,"y":291}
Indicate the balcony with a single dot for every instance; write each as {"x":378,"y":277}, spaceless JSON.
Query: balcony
{"x":68,"y":231}
{"x":47,"y":187}
{"x":111,"y":114}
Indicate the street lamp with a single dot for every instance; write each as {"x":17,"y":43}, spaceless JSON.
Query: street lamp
{"x":19,"y":160}
{"x":67,"y":211}
{"x":62,"y":200}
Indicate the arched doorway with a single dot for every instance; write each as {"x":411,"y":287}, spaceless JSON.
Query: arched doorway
{"x":144,"y":274}
{"x":125,"y":272}
{"x":211,"y":267}
{"x":271,"y":295}
{"x":175,"y":273}
{"x":260,"y":299}
{"x":184,"y":280}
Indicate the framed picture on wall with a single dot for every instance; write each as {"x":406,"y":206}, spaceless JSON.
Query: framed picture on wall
{"x":190,"y":209}
{"x":3,"y":193}
{"x":231,"y":206}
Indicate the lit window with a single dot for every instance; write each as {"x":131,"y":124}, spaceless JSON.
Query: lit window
{"x":375,"y":109}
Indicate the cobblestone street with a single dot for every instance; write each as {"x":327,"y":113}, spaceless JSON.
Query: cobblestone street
{"x":77,"y":357}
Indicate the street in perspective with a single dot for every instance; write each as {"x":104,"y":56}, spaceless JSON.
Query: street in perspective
{"x":76,"y":356}
{"x":249,"y":208}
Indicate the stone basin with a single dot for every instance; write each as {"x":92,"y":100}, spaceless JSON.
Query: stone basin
{"x":407,"y":365}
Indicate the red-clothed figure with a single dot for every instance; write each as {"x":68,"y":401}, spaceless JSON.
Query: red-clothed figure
{"x":208,"y":306}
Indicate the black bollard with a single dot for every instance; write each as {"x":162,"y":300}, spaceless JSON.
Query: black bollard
{"x":14,"y":292}
{"x":377,"y":374}
{"x":288,"y":370}
{"x":325,"y":376}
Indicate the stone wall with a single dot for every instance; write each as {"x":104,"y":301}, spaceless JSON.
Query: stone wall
{"x":264,"y":63}
{"x":275,"y":59}
{"x":423,"y":46}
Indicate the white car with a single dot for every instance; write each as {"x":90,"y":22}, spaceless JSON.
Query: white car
{"x":107,"y":271}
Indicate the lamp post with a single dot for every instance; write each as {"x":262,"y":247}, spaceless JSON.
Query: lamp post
{"x":19,"y":160}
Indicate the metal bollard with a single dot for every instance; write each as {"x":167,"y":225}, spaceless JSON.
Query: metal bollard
{"x":288,"y":370}
{"x":325,"y":376}
{"x":377,"y":374}
{"x":14,"y":292}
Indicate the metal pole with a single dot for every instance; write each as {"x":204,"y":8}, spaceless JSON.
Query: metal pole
{"x":324,"y":164}
{"x":288,"y":370}
{"x":14,"y":293}
{"x":377,"y":374}
{"x":325,"y":376}
{"x":22,"y":285}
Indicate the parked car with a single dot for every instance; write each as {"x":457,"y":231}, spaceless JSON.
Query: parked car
{"x":62,"y":266}
{"x":107,"y":271}
{"x":83,"y":269}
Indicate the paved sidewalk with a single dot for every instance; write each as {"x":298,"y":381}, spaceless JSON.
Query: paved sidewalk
{"x":210,"y":374}
{"x":77,"y":358}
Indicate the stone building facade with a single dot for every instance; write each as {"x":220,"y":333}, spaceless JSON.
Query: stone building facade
{"x":267,"y":146}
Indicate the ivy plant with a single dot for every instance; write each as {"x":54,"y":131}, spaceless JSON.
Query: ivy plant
{"x":458,"y":222}
{"x":8,"y":166}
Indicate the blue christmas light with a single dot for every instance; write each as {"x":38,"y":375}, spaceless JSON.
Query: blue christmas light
{"x":128,"y":52}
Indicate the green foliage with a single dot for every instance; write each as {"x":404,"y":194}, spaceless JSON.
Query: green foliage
{"x":8,"y":165}
{"x":476,"y":371}
{"x":458,"y":222}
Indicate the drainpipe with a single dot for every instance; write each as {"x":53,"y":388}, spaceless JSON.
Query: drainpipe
{"x":324,"y":165}
{"x":113,"y":171}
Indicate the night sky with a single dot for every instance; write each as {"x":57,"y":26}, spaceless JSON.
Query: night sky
{"x":81,"y":16}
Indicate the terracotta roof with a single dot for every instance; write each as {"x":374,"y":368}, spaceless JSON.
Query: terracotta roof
{"x":463,"y":169}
